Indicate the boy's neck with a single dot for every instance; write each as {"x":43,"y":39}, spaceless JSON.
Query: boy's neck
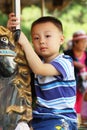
{"x":50,"y":58}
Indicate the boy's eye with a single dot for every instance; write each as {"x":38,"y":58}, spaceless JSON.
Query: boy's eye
{"x":35,"y":38}
{"x":48,"y":35}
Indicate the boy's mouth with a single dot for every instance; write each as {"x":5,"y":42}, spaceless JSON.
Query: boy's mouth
{"x":43,"y":48}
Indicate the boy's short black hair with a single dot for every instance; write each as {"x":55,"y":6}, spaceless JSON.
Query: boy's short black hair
{"x":51,"y":19}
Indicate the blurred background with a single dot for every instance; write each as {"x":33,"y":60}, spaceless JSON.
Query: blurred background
{"x":72,"y":13}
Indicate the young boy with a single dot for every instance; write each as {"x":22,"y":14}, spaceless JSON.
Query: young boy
{"x":55,"y":83}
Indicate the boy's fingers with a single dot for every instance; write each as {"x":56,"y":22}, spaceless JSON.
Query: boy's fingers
{"x":11,"y":15}
{"x":12,"y":22}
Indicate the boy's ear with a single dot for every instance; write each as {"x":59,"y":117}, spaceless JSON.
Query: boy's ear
{"x":62,"y":39}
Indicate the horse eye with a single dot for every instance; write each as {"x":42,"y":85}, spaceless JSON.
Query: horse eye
{"x":4,"y":39}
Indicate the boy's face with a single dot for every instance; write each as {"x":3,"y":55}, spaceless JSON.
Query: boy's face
{"x":46,"y":39}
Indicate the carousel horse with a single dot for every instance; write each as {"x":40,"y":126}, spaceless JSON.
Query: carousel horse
{"x":15,"y":88}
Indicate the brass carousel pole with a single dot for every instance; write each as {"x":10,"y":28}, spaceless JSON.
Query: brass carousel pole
{"x":16,"y":9}
{"x":43,"y":7}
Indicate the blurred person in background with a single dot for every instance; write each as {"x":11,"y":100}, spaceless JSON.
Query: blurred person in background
{"x":79,"y":55}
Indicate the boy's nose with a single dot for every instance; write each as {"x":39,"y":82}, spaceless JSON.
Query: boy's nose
{"x":42,"y":41}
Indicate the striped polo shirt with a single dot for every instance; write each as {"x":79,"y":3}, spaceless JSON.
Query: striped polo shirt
{"x":56,"y":95}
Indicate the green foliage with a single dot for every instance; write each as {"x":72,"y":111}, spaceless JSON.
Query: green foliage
{"x":3,"y":19}
{"x":29,"y":14}
{"x":73,"y":17}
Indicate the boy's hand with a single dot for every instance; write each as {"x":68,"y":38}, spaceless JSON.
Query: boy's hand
{"x":12,"y":21}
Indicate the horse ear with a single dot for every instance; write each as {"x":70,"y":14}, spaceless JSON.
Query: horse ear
{"x":4,"y":31}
